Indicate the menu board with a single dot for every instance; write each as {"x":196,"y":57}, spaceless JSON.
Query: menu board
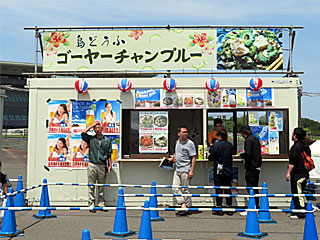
{"x":153,"y":132}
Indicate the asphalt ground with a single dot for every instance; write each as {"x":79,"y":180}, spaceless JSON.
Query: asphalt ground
{"x":70,"y":224}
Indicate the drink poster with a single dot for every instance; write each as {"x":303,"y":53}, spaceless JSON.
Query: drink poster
{"x":59,"y":116}
{"x":253,"y":118}
{"x":241,"y":98}
{"x":261,"y":98}
{"x":147,"y":98}
{"x":273,"y":142}
{"x":214,"y":99}
{"x":153,"y":132}
{"x":81,"y":114}
{"x":275,"y":121}
{"x":80,"y":152}
{"x":225,"y":97}
{"x":233,"y":97}
{"x":59,"y":150}
{"x":262,"y":133}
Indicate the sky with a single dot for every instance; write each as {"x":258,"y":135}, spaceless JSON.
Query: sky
{"x":17,"y":44}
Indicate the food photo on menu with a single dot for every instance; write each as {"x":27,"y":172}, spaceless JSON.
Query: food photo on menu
{"x":160,"y":121}
{"x":188,"y":101}
{"x":178,"y":101}
{"x":168,"y":101}
{"x":198,"y":101}
{"x":160,"y":141}
{"x":146,"y":141}
{"x":146,"y":121}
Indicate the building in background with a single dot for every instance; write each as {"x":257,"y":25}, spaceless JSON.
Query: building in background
{"x":16,"y":101}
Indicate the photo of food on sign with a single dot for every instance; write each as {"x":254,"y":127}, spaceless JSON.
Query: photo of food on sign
{"x":249,"y":49}
{"x":198,"y":101}
{"x":188,"y":101}
{"x":167,"y":101}
{"x":146,"y":121}
{"x":146,"y":141}
{"x":178,"y":101}
{"x":160,"y":121}
{"x":161,"y":141}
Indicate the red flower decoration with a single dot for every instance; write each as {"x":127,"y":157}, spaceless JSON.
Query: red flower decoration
{"x":135,"y":34}
{"x":57,"y":38}
{"x":200,"y":39}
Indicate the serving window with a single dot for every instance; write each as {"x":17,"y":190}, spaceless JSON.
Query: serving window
{"x":153,"y":134}
{"x":269,"y":126}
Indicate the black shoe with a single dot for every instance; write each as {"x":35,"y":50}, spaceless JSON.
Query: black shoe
{"x":104,"y":210}
{"x":218,"y":213}
{"x":230,"y":213}
{"x":182,"y":213}
{"x":194,"y":212}
{"x":92,"y":211}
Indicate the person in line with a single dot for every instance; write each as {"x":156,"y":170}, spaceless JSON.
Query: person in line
{"x":185,"y":159}
{"x":100,"y":150}
{"x":3,"y":191}
{"x":109,"y":115}
{"x":297,"y":173}
{"x":221,"y":154}
{"x":217,"y":123}
{"x":252,"y":160}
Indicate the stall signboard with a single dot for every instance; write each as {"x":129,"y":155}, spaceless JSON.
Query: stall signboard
{"x":153,"y":132}
{"x":239,"y":49}
{"x":68,"y":119}
{"x":174,"y":100}
{"x":138,"y":49}
{"x":147,"y":98}
{"x":261,"y":98}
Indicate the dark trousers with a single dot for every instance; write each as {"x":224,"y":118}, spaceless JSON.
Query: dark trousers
{"x":223,"y":180}
{"x":252,"y":180}
{"x":298,"y":185}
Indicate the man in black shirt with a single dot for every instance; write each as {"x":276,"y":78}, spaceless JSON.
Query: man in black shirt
{"x":252,"y":159}
{"x":221,"y":154}
{"x":297,"y":172}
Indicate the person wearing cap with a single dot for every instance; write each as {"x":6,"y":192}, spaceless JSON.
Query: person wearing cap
{"x":252,"y":159}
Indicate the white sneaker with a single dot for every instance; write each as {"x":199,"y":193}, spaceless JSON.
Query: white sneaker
{"x":243,"y":213}
{"x":294,"y":217}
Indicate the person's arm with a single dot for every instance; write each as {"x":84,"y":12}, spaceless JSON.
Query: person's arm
{"x":193,"y":164}
{"x":113,"y":117}
{"x":173,"y":158}
{"x":92,"y":125}
{"x":290,"y":167}
{"x":109,"y":165}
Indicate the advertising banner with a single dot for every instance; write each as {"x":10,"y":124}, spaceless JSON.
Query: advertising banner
{"x":138,"y":49}
{"x":68,"y":119}
{"x":249,"y":49}
{"x":147,"y":98}
{"x":261,"y":98}
{"x":174,"y":100}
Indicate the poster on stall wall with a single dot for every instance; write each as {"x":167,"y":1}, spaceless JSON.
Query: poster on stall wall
{"x":273,"y":142}
{"x":262,"y":133}
{"x":115,"y":141}
{"x":275,"y":121}
{"x":59,"y":150}
{"x":79,"y":152}
{"x":261,"y":98}
{"x":214,"y":99}
{"x":225,"y":97}
{"x":253,"y":118}
{"x":153,"y":132}
{"x":167,"y":100}
{"x":233,"y":97}
{"x":108,"y":113}
{"x":59,"y":116}
{"x":147,"y":98}
{"x":241,"y":98}
{"x":82,"y":115}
